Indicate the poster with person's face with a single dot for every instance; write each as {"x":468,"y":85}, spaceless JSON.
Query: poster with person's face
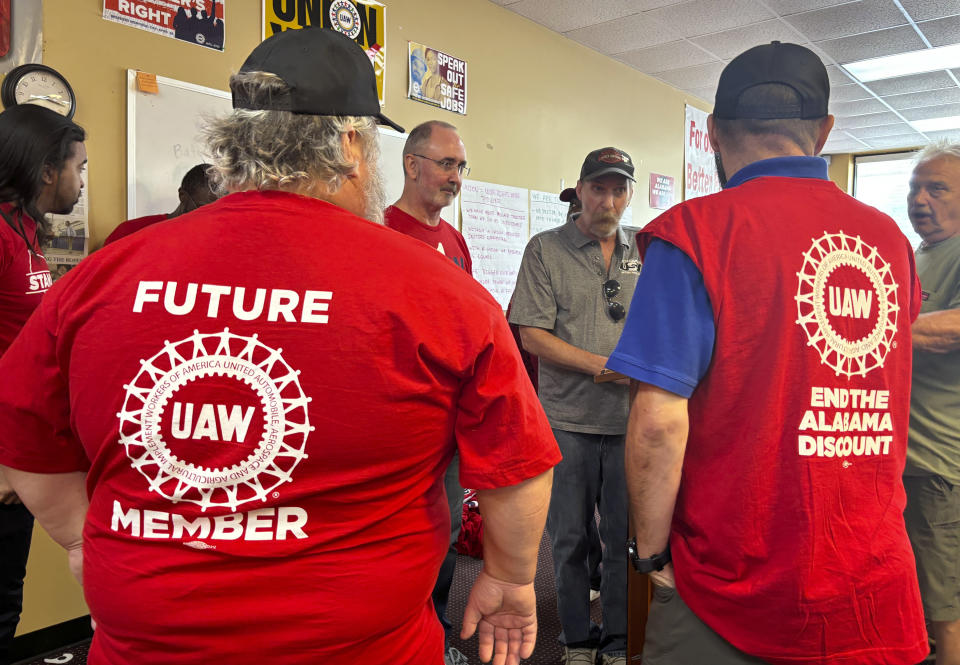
{"x":437,"y":78}
{"x":199,"y":22}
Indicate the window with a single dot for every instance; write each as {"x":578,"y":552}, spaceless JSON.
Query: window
{"x":883,"y":181}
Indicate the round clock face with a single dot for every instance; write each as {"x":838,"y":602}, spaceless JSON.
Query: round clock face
{"x":44,"y":89}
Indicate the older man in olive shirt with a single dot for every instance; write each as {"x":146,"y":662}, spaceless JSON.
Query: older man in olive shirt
{"x":573,"y":286}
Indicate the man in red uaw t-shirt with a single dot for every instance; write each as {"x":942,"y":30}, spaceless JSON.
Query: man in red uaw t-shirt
{"x":434,"y":161}
{"x":195,"y":190}
{"x":768,"y":424}
{"x":261,"y":429}
{"x":42,"y":156}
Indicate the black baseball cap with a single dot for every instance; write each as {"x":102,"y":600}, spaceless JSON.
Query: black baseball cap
{"x":569,"y":195}
{"x":327,"y":73}
{"x":791,"y":65}
{"x":605,"y":161}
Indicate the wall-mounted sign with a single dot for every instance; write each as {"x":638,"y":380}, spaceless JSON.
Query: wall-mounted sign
{"x":437,"y":78}
{"x":196,"y":21}
{"x":363,"y":21}
{"x":699,"y":170}
{"x":661,"y":191}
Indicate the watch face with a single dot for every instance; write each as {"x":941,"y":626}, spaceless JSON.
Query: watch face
{"x":44,"y":89}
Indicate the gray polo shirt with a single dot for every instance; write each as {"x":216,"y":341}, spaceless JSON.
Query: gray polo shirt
{"x":560,"y":289}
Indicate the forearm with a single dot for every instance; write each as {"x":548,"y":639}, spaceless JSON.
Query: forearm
{"x":656,"y":441}
{"x":57,"y":500}
{"x":937,"y":332}
{"x":513,"y":521}
{"x":549,"y":347}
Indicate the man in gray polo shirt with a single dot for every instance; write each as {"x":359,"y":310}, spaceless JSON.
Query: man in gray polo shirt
{"x":574,"y":284}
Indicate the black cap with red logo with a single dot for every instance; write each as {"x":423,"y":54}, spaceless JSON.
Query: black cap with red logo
{"x":606,"y":161}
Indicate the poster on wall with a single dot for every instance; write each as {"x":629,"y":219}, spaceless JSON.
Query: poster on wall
{"x":494,"y":223}
{"x":363,"y":21}
{"x":199,"y":22}
{"x":21,"y":25}
{"x":700,"y":172}
{"x":436,"y":78}
{"x":661,"y":191}
{"x":547,"y":211}
{"x":68,"y":241}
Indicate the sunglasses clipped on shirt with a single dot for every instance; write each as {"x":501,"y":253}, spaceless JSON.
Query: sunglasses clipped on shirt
{"x":611,"y":288}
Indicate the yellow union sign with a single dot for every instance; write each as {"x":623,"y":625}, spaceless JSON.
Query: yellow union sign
{"x":361,"y":20}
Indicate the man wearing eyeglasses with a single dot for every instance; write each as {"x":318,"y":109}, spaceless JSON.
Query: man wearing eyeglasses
{"x":434,"y":162}
{"x":572,"y":289}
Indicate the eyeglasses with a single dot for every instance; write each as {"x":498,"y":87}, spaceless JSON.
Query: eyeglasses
{"x":611,"y":288}
{"x":447,"y":165}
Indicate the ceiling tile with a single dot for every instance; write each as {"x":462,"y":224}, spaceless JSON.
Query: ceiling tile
{"x":872,"y":44}
{"x":688,"y":78}
{"x":924,"y":10}
{"x":566,"y":15}
{"x":913,"y":140}
{"x":862,"y":107}
{"x":915,"y":83}
{"x":707,"y":94}
{"x":949,"y":135}
{"x":848,"y":93}
{"x":850,"y":19}
{"x":627,"y":34}
{"x":837,"y":76}
{"x":942,"y":32}
{"x":941,"y":111}
{"x":730,"y":43}
{"x":787,"y":7}
{"x":666,"y":56}
{"x":700,"y":17}
{"x":897,"y":129}
{"x":869,"y":120}
{"x":919,"y":99}
{"x":842,"y":147}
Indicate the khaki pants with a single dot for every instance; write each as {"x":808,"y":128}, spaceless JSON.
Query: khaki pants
{"x":675,"y":636}
{"x":933,"y":524}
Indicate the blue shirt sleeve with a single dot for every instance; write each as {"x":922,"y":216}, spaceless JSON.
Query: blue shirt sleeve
{"x":668,"y":336}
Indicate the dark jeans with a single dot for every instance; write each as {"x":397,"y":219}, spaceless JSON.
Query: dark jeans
{"x":441,"y":590}
{"x":16,"y":528}
{"x":592,"y":467}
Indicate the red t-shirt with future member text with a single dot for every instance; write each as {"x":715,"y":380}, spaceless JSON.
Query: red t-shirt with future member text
{"x":132,"y":226}
{"x":788,"y":536}
{"x":442,"y":237}
{"x":265,"y":414}
{"x":24,"y":275}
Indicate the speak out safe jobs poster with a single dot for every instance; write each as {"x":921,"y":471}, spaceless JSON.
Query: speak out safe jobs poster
{"x":363,"y":21}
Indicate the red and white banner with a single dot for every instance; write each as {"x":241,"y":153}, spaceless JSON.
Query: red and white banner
{"x":699,"y":170}
{"x":196,"y":21}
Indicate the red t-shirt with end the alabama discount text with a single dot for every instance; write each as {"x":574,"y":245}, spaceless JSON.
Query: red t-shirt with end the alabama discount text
{"x":442,"y":237}
{"x":132,"y":226}
{"x":788,"y":536}
{"x":24,"y":275}
{"x":265,"y":420}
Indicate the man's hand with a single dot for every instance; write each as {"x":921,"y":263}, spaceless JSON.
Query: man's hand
{"x":506,"y":615}
{"x":7,"y":496}
{"x":664,"y":577}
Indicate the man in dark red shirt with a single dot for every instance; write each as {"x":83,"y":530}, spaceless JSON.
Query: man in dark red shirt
{"x":195,"y":190}
{"x":41,"y":158}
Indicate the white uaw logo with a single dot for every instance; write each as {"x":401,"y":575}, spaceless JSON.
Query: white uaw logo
{"x":846,"y":284}
{"x":345,"y":18}
{"x":215,"y":419}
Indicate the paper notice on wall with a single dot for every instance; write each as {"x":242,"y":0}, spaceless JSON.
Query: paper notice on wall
{"x":494,"y":224}
{"x":700,"y":172}
{"x":68,"y":242}
{"x":547,"y":211}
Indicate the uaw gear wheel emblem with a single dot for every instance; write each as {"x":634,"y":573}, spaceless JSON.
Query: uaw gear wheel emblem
{"x":215,"y":419}
{"x":345,"y":18}
{"x":847,"y":304}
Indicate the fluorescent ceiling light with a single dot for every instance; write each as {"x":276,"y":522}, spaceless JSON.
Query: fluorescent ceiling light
{"x":904,"y":64}
{"x":936,"y":124}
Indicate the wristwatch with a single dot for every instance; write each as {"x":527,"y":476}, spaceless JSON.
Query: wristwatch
{"x":656,"y":562}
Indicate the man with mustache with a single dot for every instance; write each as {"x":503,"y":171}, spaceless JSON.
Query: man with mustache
{"x":434,"y":163}
{"x":243,"y":443}
{"x":570,"y":302}
{"x":932,"y":474}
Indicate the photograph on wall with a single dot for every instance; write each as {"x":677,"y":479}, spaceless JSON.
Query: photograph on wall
{"x":21,"y":33}
{"x":69,"y":239}
{"x":437,"y":78}
{"x":199,"y":22}
{"x":363,"y":21}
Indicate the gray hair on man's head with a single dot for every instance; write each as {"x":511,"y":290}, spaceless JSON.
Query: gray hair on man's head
{"x":942,"y":148}
{"x":282,"y":150}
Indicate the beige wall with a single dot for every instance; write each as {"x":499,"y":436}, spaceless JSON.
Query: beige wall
{"x":537,"y":104}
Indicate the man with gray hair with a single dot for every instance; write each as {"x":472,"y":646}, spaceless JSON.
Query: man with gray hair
{"x":932,"y":474}
{"x":252,"y":437}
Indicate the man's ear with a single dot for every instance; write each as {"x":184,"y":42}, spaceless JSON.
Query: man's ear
{"x":825,"y":129}
{"x":353,"y":150}
{"x":182,"y":195}
{"x":49,"y":174}
{"x":712,"y":133}
{"x":410,"y":168}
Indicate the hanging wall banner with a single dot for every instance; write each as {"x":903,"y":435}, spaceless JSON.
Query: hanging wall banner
{"x":196,"y":21}
{"x":437,"y":79}
{"x":363,"y":21}
{"x":700,"y":172}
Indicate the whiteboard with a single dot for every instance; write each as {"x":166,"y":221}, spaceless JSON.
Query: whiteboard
{"x":164,"y":141}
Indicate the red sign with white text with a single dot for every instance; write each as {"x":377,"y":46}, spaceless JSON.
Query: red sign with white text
{"x":196,"y":21}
